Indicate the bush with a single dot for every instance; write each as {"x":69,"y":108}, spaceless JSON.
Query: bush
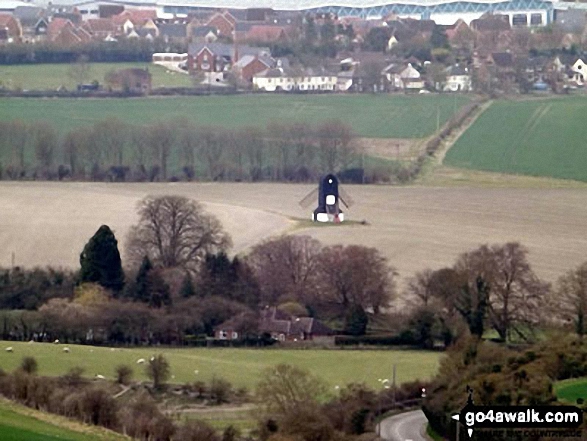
{"x":73,"y":377}
{"x":123,"y":374}
{"x":220,"y":390}
{"x":158,"y":371}
{"x":196,"y":431}
{"x":99,"y":408}
{"x":29,"y":365}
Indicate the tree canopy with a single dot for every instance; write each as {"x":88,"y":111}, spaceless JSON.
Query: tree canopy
{"x":100,"y":260}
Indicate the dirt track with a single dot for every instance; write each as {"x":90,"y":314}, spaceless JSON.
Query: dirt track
{"x":415,"y":227}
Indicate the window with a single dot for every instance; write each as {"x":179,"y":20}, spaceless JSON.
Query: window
{"x":536,"y":19}
{"x":234,"y":335}
{"x":520,"y":20}
{"x":222,"y":335}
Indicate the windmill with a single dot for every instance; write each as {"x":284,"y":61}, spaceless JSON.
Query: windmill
{"x":329,"y":194}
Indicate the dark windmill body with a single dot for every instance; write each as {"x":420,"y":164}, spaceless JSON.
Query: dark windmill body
{"x":330,"y":196}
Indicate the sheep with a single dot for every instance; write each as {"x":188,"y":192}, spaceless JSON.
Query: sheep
{"x":141,"y":361}
{"x":66,"y":350}
{"x":56,"y":342}
{"x":100,"y":377}
{"x":196,"y":372}
{"x":9,"y":349}
{"x":153,"y":358}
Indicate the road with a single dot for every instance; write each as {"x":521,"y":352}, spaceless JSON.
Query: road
{"x":408,"y":426}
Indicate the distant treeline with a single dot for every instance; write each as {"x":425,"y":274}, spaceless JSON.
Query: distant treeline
{"x":100,"y":51}
{"x":179,"y":150}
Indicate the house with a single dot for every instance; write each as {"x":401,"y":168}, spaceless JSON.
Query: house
{"x":219,"y":57}
{"x":203,"y":34}
{"x":131,"y":19}
{"x":224,"y":22}
{"x":130,"y":80}
{"x":68,"y":33}
{"x":265,"y":33}
{"x":33,"y":22}
{"x":458,"y":79}
{"x":288,"y":80}
{"x":403,"y":77}
{"x":278,"y":324}
{"x":250,"y":65}
{"x":12,"y":27}
{"x":579,"y":72}
{"x":100,"y":28}
{"x":173,"y":32}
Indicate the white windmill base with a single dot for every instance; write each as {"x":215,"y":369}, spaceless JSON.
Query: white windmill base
{"x":326,"y":217}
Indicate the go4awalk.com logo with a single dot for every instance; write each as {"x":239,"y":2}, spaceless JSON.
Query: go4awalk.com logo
{"x":517,"y":417}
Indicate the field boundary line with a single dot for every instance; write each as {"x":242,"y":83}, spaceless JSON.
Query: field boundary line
{"x":448,"y":143}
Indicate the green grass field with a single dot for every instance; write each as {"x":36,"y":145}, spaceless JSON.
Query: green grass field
{"x":19,"y":423}
{"x":542,"y":137}
{"x":242,"y":367}
{"x":380,"y":116}
{"x":570,"y":390}
{"x":52,"y":76}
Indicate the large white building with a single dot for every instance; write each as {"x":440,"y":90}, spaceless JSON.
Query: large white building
{"x":530,"y":12}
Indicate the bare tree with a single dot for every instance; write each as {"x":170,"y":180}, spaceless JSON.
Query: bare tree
{"x":421,"y":288}
{"x":160,"y":141}
{"x":571,"y":298}
{"x":14,"y":136}
{"x":286,"y":268}
{"x":356,"y":275}
{"x":187,"y":142}
{"x":174,"y":231}
{"x":284,"y":388}
{"x":45,"y":142}
{"x":139,"y":148}
{"x":336,"y":146}
{"x":515,"y":291}
{"x":80,"y":70}
{"x":254,"y":146}
{"x":212,"y":148}
{"x":111,"y":136}
{"x":72,"y":146}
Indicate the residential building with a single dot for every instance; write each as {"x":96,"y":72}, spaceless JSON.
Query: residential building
{"x":12,"y":27}
{"x":288,"y":80}
{"x":219,"y":57}
{"x":458,"y":79}
{"x":130,"y":80}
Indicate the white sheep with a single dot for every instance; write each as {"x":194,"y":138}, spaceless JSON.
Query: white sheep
{"x":100,"y":377}
{"x":153,"y":358}
{"x":141,"y":361}
{"x":56,"y":342}
{"x":9,"y":349}
{"x":66,"y":350}
{"x":196,"y":372}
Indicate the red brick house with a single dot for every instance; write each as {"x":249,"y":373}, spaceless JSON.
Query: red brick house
{"x":219,"y":57}
{"x":266,"y":33}
{"x":223,"y":22}
{"x":250,"y":65}
{"x":12,"y":27}
{"x":130,"y":80}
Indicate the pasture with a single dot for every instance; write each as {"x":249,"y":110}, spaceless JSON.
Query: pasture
{"x":19,"y":423}
{"x":571,"y":390}
{"x":242,"y":367}
{"x":371,"y":116}
{"x":53,"y":76}
{"x":414,"y":227}
{"x":537,"y":137}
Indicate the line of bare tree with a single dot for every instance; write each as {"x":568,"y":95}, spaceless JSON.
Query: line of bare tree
{"x":175,"y":150}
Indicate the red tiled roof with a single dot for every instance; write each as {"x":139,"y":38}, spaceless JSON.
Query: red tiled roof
{"x":265,"y":33}
{"x":138,"y":17}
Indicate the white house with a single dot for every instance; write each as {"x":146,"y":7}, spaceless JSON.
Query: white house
{"x":400,"y":76}
{"x":579,"y":70}
{"x":458,"y":79}
{"x":278,"y":79}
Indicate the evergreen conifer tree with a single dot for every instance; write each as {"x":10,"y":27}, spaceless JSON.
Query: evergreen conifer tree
{"x":100,"y":261}
{"x":141,"y":291}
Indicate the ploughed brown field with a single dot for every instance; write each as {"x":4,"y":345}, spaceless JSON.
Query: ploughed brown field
{"x":415,"y":227}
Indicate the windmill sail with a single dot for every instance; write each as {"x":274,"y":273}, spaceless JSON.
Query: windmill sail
{"x":309,"y":199}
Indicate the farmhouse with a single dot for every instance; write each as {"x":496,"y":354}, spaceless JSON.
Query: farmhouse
{"x":278,"y":324}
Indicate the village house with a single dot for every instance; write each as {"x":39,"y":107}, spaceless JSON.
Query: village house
{"x":250,"y":65}
{"x":400,"y":76}
{"x":132,"y":80}
{"x":279,"y":325}
{"x":288,"y":80}
{"x":219,"y":57}
{"x":33,"y":22}
{"x":12,"y":27}
{"x":579,"y":72}
{"x":458,"y":79}
{"x":224,"y":22}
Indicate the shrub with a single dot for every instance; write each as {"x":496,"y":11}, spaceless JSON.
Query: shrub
{"x":123,"y":374}
{"x":99,"y":408}
{"x":196,"y":431}
{"x":158,"y":371}
{"x":220,"y":390}
{"x":29,"y":365}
